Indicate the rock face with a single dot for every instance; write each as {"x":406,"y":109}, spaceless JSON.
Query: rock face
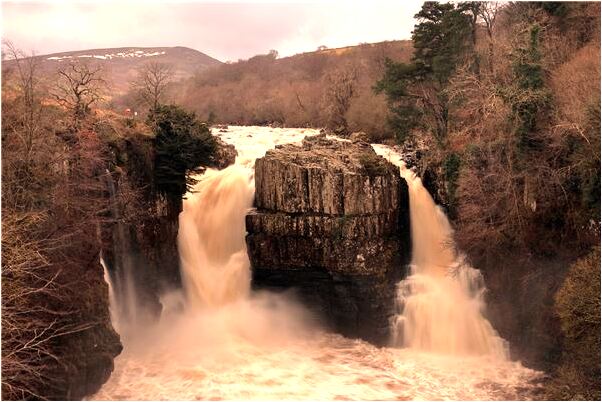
{"x":87,"y":356}
{"x":332,"y":223}
{"x":141,"y":243}
{"x":225,"y":154}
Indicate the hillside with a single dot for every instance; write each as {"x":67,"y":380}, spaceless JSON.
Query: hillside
{"x":297,"y":91}
{"x":121,"y":64}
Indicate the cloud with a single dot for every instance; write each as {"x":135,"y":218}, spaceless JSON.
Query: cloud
{"x":226,"y":31}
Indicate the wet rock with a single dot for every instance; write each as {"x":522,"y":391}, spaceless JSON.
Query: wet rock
{"x":87,"y":356}
{"x":325,"y":177}
{"x":144,"y":246}
{"x":225,"y":154}
{"x":332,"y":224}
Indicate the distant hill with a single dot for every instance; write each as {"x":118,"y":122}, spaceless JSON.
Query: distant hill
{"x":264,"y":89}
{"x":121,"y":64}
{"x":291,"y":91}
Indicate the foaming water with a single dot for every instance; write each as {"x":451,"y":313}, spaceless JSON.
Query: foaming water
{"x":441,"y":302}
{"x":211,"y":237}
{"x":214,"y":262}
{"x":230,"y":343}
{"x":224,"y":356}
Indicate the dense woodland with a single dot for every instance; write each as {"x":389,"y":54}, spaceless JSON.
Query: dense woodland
{"x":501,"y":103}
{"x":504,"y":104}
{"x":511,"y":124}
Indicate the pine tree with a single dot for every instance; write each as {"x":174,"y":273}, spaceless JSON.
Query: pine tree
{"x":416,"y":91}
{"x":182,"y":145}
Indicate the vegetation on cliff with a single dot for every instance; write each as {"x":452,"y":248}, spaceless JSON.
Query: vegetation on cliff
{"x":416,"y":92}
{"x":69,"y":174}
{"x":57,"y":339}
{"x":505,"y":100}
{"x":515,"y":157}
{"x":182,"y":144}
{"x":578,"y":305}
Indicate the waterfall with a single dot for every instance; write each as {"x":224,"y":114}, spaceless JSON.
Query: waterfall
{"x":125,"y":309}
{"x":211,"y":241}
{"x":220,"y":341}
{"x":211,"y":238}
{"x":107,"y":278}
{"x":440,"y":304}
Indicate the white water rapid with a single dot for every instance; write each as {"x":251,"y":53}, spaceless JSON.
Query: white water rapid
{"x":227,"y":342}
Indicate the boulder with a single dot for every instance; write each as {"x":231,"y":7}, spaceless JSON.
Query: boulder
{"x":331,"y":222}
{"x":224,"y":156}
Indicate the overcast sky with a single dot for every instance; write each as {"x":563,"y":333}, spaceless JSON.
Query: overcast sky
{"x":224,"y":30}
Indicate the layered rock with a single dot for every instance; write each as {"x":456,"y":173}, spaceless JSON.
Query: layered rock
{"x":332,"y":223}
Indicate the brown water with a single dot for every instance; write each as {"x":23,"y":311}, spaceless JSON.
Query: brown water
{"x":441,"y":302}
{"x":217,"y":340}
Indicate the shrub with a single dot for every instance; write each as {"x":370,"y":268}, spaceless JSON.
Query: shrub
{"x":373,"y":164}
{"x":182,"y":145}
{"x":578,"y":306}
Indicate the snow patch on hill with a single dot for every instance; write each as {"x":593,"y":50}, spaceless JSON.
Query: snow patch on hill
{"x":110,"y":56}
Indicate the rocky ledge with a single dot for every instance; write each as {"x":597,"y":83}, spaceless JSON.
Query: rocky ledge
{"x":225,"y":155}
{"x":332,"y":223}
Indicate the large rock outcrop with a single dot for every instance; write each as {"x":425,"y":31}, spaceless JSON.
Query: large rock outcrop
{"x":332,"y":223}
{"x":86,"y":356}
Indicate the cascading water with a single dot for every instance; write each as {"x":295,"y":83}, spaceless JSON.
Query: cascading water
{"x":441,"y":303}
{"x":210,"y":237}
{"x":230,"y":343}
{"x":112,"y":301}
{"x":125,"y":310}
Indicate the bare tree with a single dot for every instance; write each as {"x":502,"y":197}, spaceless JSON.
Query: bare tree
{"x":340,"y":90}
{"x":380,"y":56}
{"x":151,"y":83}
{"x":79,"y":86}
{"x":488,"y":12}
{"x":27,"y":86}
{"x":52,"y":199}
{"x":29,"y":326}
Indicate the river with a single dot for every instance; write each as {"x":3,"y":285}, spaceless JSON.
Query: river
{"x":217,"y":340}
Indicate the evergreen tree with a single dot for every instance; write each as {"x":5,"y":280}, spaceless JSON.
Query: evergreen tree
{"x":182,"y":145}
{"x":416,"y":91}
{"x":528,"y":96}
{"x":405,"y":114}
